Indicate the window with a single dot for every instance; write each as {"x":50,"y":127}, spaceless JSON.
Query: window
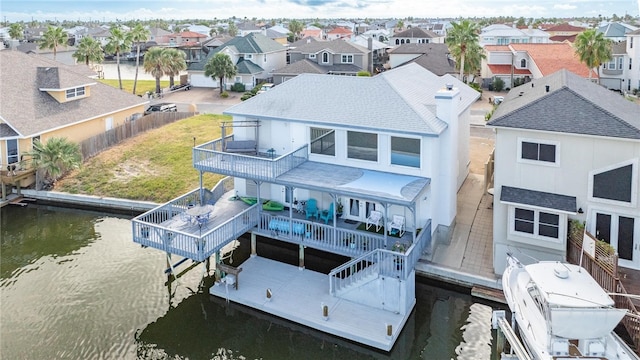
{"x":405,"y":151}
{"x":12,"y":151}
{"x":76,"y":92}
{"x":545,"y":152}
{"x":408,"y":41}
{"x":397,"y":41}
{"x":248,"y":56}
{"x":264,"y":58}
{"x":536,"y":223}
{"x":323,"y":141}
{"x":325,"y":57}
{"x":312,"y":56}
{"x":614,"y":183}
{"x":347,"y":59}
{"x":35,"y":139}
{"x":630,"y":63}
{"x":523,"y":63}
{"x":362,"y":146}
{"x":631,"y":42}
{"x":620,"y":63}
{"x":612,"y":64}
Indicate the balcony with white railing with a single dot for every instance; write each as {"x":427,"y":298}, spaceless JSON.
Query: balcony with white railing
{"x":210,"y":157}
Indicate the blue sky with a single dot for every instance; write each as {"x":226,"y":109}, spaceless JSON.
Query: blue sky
{"x":109,"y":10}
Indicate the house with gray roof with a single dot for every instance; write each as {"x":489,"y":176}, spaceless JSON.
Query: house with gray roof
{"x":255,"y":56}
{"x":48,"y":99}
{"x":433,"y":57}
{"x":415,"y":35}
{"x":566,"y":149}
{"x":313,"y":158}
{"x":337,"y":57}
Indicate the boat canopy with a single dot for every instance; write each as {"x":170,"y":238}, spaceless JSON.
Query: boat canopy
{"x":583,"y":323}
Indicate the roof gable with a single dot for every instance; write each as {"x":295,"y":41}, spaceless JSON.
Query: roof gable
{"x":572,"y":105}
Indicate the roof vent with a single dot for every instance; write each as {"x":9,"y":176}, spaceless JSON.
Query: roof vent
{"x":546,"y":87}
{"x":521,"y":93}
{"x":532,"y":84}
{"x":449,"y":87}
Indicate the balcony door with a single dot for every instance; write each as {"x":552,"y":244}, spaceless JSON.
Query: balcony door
{"x":357,"y":209}
{"x":623,"y":233}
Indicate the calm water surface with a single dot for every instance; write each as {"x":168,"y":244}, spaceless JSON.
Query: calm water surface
{"x":73,"y":285}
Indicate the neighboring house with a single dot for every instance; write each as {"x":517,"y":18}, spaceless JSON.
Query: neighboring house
{"x":564,"y":31}
{"x":159,"y":36}
{"x":378,"y":50}
{"x":632,"y":66}
{"x":565,"y":149}
{"x":616,"y":31}
{"x":312,"y":32}
{"x":277,"y":34}
{"x":246,"y":28}
{"x":186,"y":38}
{"x":415,"y":35}
{"x":339,"y":33}
{"x":64,"y":54}
{"x":395,"y":144}
{"x":499,"y":34}
{"x":530,"y":61}
{"x":612,"y":73}
{"x":382,"y":35}
{"x":255,"y":56}
{"x":433,"y":57}
{"x":337,"y":57}
{"x":48,"y":99}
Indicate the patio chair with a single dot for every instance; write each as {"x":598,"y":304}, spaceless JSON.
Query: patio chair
{"x":327,"y":215}
{"x":397,"y":225}
{"x":311,"y":209}
{"x":375,"y":218}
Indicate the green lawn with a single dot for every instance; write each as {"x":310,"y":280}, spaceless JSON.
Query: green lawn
{"x":154,"y":166}
{"x":142,"y":87}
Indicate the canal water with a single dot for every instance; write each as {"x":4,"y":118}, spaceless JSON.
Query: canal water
{"x":73,"y":285}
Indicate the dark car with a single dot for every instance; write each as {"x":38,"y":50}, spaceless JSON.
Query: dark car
{"x":162,"y":107}
{"x":184,"y":87}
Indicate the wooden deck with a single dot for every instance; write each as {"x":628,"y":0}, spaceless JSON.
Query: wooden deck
{"x":299,"y":296}
{"x":630,"y":279}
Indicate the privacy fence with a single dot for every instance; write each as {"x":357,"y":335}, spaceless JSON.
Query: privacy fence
{"x":94,"y":145}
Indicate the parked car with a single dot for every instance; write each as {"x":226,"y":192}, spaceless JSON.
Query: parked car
{"x":265,"y":88}
{"x":162,"y":107}
{"x":498,"y":99}
{"x":184,"y":87}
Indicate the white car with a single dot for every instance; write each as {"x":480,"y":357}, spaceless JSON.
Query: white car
{"x":266,"y":87}
{"x":498,"y":99}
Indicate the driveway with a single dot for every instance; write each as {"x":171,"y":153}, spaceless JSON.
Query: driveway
{"x":206,"y":100}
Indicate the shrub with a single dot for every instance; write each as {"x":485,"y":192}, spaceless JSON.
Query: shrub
{"x":476,"y":86}
{"x":247,"y":95}
{"x":498,"y":84}
{"x":224,"y":94}
{"x":363,"y":73}
{"x":238,"y":87}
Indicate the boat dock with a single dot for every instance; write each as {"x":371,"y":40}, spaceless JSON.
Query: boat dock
{"x":300,"y":295}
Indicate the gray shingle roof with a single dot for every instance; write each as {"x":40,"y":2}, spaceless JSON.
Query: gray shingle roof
{"x":400,"y":100}
{"x":573,"y":105}
{"x":416,"y":32}
{"x":538,"y":198}
{"x":301,"y":67}
{"x":7,"y":131}
{"x":31,"y":112}
{"x":435,"y":57}
{"x":252,"y":43}
{"x":248,"y":67}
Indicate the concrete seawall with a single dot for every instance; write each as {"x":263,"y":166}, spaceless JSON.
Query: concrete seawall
{"x":92,"y":202}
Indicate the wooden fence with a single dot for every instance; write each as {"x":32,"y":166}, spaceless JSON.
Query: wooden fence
{"x":604,"y":269}
{"x":94,"y":145}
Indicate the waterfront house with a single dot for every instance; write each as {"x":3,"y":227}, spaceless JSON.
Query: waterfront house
{"x":369,"y":170}
{"x":46,"y":99}
{"x":565,"y":149}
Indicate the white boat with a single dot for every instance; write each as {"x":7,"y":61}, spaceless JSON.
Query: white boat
{"x":561,"y":312}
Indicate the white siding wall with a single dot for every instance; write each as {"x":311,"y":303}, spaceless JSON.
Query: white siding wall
{"x":398,"y":59}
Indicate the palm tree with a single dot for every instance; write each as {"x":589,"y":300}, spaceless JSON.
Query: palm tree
{"x":138,"y":35}
{"x":473,"y":58}
{"x":462,"y":36}
{"x":175,"y":63}
{"x":296,"y":28}
{"x":220,"y":66}
{"x":56,"y":157}
{"x":155,"y":64}
{"x":89,"y":51}
{"x":593,"y":49}
{"x":233,"y":29}
{"x":16,"y":31}
{"x":118,"y":42}
{"x":52,"y":38}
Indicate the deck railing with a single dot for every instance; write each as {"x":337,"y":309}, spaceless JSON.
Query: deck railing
{"x":603,"y":268}
{"x":320,"y":236}
{"x":210,"y":157}
{"x":380,"y":262}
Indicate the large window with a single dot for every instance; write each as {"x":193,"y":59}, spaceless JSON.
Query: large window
{"x":325,"y":58}
{"x":12,"y":151}
{"x":362,"y":146}
{"x":405,"y":151}
{"x":347,"y":59}
{"x":323,"y":141}
{"x":614,"y":183}
{"x":75,"y":92}
{"x":537,"y":151}
{"x":536,"y":223}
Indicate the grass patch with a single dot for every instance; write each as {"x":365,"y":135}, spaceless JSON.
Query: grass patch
{"x":154,"y":166}
{"x":142,"y":87}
